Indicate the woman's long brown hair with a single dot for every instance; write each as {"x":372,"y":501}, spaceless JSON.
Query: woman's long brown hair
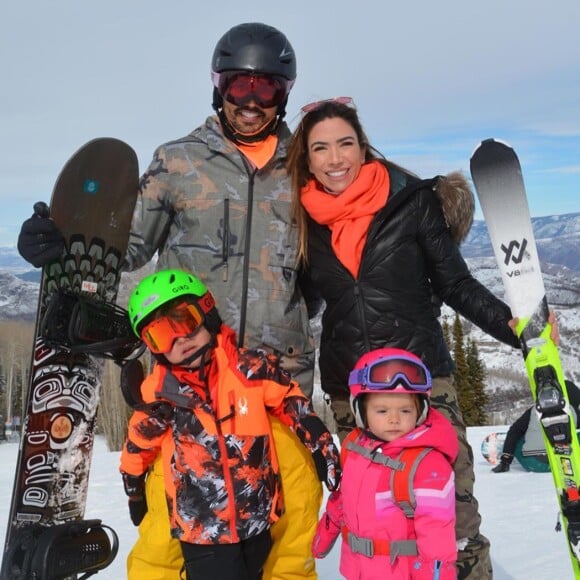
{"x":297,"y":164}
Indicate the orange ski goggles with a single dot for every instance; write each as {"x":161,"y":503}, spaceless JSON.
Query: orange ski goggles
{"x":179,"y":321}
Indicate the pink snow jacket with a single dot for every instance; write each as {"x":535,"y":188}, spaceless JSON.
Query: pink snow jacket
{"x":364,"y":509}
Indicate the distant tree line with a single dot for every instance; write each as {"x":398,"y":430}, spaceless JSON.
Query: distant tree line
{"x":15,"y":355}
{"x":470,"y":373}
{"x":16,"y":340}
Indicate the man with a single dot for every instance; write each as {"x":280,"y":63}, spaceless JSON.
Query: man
{"x":217,"y":203}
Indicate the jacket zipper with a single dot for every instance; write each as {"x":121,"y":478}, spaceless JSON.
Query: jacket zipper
{"x":226,"y":239}
{"x":246,"y":268}
{"x":229,"y":484}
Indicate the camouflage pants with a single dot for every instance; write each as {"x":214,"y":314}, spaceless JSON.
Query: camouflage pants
{"x":473,"y":559}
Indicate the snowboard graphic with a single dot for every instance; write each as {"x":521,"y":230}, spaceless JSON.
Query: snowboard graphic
{"x":77,"y":326}
{"x":497,"y":176}
{"x":492,"y":448}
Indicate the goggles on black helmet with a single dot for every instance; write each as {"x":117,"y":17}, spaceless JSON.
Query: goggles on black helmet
{"x":240,"y":88}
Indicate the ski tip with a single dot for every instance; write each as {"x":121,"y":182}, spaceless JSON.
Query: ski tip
{"x":488,"y":142}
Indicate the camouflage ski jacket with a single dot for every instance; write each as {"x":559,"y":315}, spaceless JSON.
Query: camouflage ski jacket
{"x":219,"y":462}
{"x":207,"y":210}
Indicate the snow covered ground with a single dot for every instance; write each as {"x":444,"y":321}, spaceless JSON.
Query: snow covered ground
{"x":519,"y":512}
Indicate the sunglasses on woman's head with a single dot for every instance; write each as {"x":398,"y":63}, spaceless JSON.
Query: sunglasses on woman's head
{"x":348,"y":101}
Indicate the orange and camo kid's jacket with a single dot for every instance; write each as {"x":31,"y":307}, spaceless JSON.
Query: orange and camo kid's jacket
{"x":221,"y":473}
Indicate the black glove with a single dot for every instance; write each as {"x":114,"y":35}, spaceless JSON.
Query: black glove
{"x":40,"y":241}
{"x":327,"y":461}
{"x":314,"y":434}
{"x":137,"y":509}
{"x":135,"y":489}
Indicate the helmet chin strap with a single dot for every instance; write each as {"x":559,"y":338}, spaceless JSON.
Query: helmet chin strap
{"x":200,"y":352}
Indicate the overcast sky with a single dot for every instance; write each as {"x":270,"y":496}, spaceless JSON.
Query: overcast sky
{"x":430,"y":79}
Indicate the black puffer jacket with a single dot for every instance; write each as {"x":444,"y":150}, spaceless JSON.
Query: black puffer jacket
{"x":411,"y":256}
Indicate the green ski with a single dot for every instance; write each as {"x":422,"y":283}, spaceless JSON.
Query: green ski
{"x":497,"y":176}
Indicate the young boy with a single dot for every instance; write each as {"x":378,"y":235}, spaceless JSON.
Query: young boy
{"x":396,"y":504}
{"x":206,"y":406}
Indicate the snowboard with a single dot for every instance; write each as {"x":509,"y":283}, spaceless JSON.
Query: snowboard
{"x":77,"y":327}
{"x":497,"y":176}
{"x":492,"y":448}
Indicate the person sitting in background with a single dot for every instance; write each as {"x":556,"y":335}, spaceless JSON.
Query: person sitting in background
{"x":526,"y":429}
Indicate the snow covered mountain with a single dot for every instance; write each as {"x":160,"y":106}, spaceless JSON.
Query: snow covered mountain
{"x":11,"y":261}
{"x":18,"y":298}
{"x":557,"y":238}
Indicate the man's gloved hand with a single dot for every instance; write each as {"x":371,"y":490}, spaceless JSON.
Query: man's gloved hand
{"x":327,"y":461}
{"x":135,"y":490}
{"x":40,"y":241}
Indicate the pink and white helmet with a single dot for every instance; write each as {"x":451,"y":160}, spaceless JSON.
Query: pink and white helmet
{"x":389,"y":370}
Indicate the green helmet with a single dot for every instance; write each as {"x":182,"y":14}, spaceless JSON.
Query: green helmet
{"x":164,"y":286}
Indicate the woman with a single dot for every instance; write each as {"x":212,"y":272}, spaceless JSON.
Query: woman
{"x":381,"y":246}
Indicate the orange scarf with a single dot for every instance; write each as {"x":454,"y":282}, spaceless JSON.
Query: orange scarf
{"x":349,"y":214}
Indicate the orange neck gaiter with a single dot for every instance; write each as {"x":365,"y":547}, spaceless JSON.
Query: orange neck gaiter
{"x":261,"y":152}
{"x":349,"y":214}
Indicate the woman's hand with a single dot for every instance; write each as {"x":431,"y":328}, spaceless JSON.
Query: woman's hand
{"x":554,"y":332}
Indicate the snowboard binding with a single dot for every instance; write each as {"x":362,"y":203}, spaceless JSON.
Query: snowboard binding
{"x":79,"y":324}
{"x":61,"y":552}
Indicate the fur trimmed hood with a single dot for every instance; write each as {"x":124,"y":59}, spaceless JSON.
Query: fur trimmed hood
{"x":457,"y":202}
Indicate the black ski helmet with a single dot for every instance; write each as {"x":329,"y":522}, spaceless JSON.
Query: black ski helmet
{"x":257,"y":48}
